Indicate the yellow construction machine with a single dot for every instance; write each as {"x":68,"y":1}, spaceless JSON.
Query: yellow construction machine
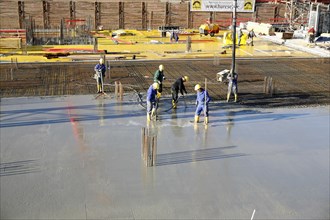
{"x":207,"y":28}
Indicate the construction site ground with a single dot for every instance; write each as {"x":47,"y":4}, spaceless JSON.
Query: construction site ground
{"x":301,"y":76}
{"x":67,"y":153}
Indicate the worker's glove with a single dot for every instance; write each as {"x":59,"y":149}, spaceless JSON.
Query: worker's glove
{"x":196,"y":103}
{"x":164,"y":77}
{"x":159,"y":82}
{"x":158,"y":95}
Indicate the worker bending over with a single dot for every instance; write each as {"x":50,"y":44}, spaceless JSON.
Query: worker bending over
{"x":232,"y":85}
{"x":151,"y":100}
{"x":202,"y":103}
{"x":100,"y":74}
{"x":159,"y":77}
{"x":177,"y":86}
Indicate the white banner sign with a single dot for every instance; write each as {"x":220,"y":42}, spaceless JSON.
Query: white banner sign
{"x":222,"y":5}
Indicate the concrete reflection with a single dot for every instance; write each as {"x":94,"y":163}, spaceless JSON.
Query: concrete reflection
{"x":149,"y":144}
{"x":230,"y":123}
{"x":101,"y":111}
{"x":201,"y":131}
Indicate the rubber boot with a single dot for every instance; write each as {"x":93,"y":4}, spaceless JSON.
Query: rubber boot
{"x":148,"y":117}
{"x":235,"y":97}
{"x":228,"y":96}
{"x":206,"y":120}
{"x":153,"y":113}
{"x":173,"y":104}
{"x":196,"y":118}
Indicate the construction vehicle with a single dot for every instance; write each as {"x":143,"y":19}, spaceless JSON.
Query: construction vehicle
{"x":207,"y":28}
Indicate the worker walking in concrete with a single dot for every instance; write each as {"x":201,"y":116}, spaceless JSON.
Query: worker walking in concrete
{"x":202,"y":103}
{"x":251,"y":35}
{"x":232,"y":85}
{"x":177,"y":86}
{"x":240,"y":35}
{"x":99,"y":75}
{"x":159,"y":77}
{"x":151,"y":101}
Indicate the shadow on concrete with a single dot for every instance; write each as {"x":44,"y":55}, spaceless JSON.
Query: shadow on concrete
{"x":195,"y":156}
{"x":19,"y":167}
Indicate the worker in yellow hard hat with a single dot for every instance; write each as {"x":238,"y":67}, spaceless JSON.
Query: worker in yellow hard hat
{"x":99,"y":75}
{"x":159,"y":77}
{"x":177,"y":86}
{"x":151,"y":100}
{"x":202,"y":103}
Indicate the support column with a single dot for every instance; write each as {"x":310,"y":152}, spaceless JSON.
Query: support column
{"x":189,"y":16}
{"x":167,"y":14}
{"x":97,"y":14}
{"x":72,"y":10}
{"x":21,"y":14}
{"x":121,"y":15}
{"x":45,"y":13}
{"x":144,"y":15}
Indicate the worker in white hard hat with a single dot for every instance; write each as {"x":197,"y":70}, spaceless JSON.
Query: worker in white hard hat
{"x":177,"y":86}
{"x":151,"y":100}
{"x":99,"y":75}
{"x":232,"y":85}
{"x":202,"y":103}
{"x":159,"y":77}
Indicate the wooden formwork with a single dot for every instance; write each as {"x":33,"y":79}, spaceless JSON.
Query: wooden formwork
{"x":116,"y":14}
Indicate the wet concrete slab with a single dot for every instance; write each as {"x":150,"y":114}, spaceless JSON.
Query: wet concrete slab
{"x":75,"y":157}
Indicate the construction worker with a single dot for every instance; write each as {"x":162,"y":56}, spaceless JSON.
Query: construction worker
{"x":159,"y":77}
{"x":177,"y":86}
{"x":100,"y":74}
{"x":202,"y":102}
{"x":311,"y":35}
{"x":151,"y":100}
{"x":251,"y":35}
{"x":240,"y":35}
{"x":232,"y":85}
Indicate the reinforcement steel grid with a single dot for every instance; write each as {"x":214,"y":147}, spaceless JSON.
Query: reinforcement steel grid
{"x":296,"y":81}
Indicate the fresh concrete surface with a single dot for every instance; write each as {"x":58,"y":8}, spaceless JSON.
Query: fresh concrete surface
{"x":75,"y":157}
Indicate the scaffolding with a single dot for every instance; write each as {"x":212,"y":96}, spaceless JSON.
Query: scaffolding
{"x":306,"y":13}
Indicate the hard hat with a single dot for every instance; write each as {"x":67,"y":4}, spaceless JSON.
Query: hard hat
{"x":161,"y":67}
{"x":155,"y":85}
{"x":101,"y":60}
{"x":186,"y":78}
{"x":197,"y":87}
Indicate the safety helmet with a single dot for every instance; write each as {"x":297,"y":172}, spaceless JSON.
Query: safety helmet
{"x":101,"y":61}
{"x":161,"y":67}
{"x":197,"y":87}
{"x":155,"y":85}
{"x":186,"y":78}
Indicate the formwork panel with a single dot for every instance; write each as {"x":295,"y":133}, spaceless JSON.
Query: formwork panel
{"x":133,"y":15}
{"x":34,"y":10}
{"x":157,"y":9}
{"x":199,"y":18}
{"x":86,"y":10}
{"x":179,"y":15}
{"x":9,"y":12}
{"x":58,"y":11}
{"x":109,"y":15}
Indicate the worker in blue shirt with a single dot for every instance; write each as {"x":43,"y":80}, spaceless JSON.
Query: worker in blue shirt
{"x":152,"y":100}
{"x":99,"y":75}
{"x":202,"y":102}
